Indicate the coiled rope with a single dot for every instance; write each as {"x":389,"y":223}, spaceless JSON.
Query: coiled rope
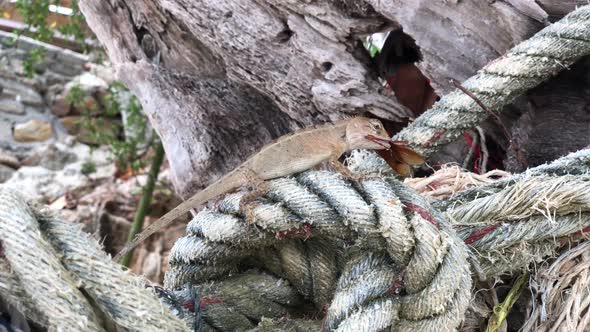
{"x":397,"y":239}
{"x":397,"y":242}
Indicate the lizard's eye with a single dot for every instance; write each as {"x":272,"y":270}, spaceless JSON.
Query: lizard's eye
{"x":376,"y":126}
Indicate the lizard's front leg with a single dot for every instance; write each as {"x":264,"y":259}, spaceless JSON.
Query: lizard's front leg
{"x":257,"y":188}
{"x":336,"y":165}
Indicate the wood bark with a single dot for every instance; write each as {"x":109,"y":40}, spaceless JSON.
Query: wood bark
{"x":231,"y":75}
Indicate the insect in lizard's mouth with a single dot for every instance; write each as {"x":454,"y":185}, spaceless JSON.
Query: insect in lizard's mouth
{"x":386,"y":143}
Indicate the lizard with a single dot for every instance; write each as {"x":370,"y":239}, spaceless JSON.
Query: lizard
{"x":291,"y":154}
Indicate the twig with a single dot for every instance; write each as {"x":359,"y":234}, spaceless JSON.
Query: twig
{"x":146,"y":200}
{"x":496,"y":117}
{"x":501,"y":311}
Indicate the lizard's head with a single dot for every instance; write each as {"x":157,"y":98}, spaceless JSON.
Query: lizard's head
{"x":365,"y":133}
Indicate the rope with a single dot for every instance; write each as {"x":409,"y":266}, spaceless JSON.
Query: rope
{"x":409,"y":247}
{"x":525,"y":222}
{"x":388,"y":278}
{"x":576,"y":163}
{"x":60,"y":278}
{"x":525,"y":217}
{"x":496,"y":85}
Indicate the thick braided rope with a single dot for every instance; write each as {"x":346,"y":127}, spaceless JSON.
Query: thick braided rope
{"x":525,"y":221}
{"x":14,"y":293}
{"x":576,"y":163}
{"x":37,"y":268}
{"x":48,"y":262}
{"x":405,"y":250}
{"x":501,"y":81}
{"x":528,"y":215}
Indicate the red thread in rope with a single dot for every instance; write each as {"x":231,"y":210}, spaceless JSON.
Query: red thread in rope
{"x":476,"y":152}
{"x":581,"y":232}
{"x":477,"y":235}
{"x":189,"y":305}
{"x":207,"y":300}
{"x":304,"y":231}
{"x":435,"y":137}
{"x":421,"y":211}
{"x":396,"y":286}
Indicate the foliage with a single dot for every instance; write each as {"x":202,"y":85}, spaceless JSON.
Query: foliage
{"x":35,"y":14}
{"x":112,"y":104}
{"x":88,"y":168}
{"x":371,"y":47}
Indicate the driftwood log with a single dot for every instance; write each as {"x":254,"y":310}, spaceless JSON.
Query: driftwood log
{"x":232,"y":75}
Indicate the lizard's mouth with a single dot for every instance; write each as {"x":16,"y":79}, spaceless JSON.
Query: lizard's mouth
{"x":386,"y":143}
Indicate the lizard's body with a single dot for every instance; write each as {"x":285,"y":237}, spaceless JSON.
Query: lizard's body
{"x":290,"y":154}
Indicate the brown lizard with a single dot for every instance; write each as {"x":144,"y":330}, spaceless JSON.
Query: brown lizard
{"x":290,"y":154}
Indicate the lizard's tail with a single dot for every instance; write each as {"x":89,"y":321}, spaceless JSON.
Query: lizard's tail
{"x":229,"y":182}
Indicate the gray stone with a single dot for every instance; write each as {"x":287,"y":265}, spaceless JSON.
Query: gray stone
{"x":87,"y":82}
{"x":51,"y":156}
{"x":60,"y":107}
{"x":5,"y":173}
{"x":55,"y":78}
{"x":21,"y":92}
{"x":47,"y":185}
{"x":8,"y":159}
{"x":13,"y":106}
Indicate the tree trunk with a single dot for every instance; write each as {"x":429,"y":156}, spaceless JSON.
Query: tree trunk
{"x":220,"y":78}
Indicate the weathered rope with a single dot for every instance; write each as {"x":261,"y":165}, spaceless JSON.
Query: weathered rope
{"x":36,"y":265}
{"x":501,"y":81}
{"x":522,"y":222}
{"x":576,"y":163}
{"x":372,"y":272}
{"x":409,"y":270}
{"x":60,"y":278}
{"x":561,"y":292}
{"x":451,"y":179}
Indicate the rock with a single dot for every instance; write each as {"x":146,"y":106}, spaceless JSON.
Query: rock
{"x":21,"y":92}
{"x":51,"y":156}
{"x":57,"y":100}
{"x":32,"y":131}
{"x":47,"y":185}
{"x":106,"y":73}
{"x":55,"y":78}
{"x":8,"y":159}
{"x":44,"y":184}
{"x":87,"y":81}
{"x":75,"y":126}
{"x":11,"y":105}
{"x":60,"y":107}
{"x":88,"y":105}
{"x":5,"y":173}
{"x":88,"y":97}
